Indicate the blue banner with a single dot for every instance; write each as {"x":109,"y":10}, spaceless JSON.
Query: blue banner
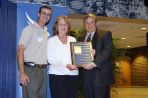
{"x":27,"y":13}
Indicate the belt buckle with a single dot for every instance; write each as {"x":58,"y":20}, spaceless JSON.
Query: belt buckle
{"x":31,"y":64}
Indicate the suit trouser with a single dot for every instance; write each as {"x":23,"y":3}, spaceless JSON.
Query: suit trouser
{"x":90,"y":89}
{"x":37,"y":86}
{"x":63,"y":86}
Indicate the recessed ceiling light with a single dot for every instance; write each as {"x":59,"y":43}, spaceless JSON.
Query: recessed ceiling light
{"x":123,"y":38}
{"x":143,"y":28}
{"x":128,"y":46}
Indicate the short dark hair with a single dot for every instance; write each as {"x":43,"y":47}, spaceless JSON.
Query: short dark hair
{"x":46,"y":7}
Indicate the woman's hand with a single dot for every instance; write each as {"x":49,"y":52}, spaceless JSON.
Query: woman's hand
{"x":71,"y":67}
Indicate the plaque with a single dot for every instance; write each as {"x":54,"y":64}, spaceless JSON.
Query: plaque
{"x":81,"y":53}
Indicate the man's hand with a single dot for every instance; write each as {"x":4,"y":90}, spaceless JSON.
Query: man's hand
{"x":71,"y":67}
{"x":93,"y":52}
{"x":24,"y":79}
{"x":88,"y":66}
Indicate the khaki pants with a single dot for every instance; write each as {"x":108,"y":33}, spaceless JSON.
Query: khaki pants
{"x":37,"y":86}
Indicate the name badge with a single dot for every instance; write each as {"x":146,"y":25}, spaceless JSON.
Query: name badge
{"x":40,"y":39}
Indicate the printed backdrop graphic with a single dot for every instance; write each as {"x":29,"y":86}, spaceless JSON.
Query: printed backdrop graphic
{"x":111,"y":8}
{"x":26,"y":14}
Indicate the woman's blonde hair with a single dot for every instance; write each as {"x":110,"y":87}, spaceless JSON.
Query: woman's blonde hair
{"x":56,"y":24}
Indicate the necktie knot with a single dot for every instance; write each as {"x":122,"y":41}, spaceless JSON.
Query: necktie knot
{"x":89,"y":38}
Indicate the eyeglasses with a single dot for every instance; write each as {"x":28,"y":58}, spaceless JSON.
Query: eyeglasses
{"x":63,"y":24}
{"x":44,"y":13}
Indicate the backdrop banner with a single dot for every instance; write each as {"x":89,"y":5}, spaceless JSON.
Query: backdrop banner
{"x":27,"y":13}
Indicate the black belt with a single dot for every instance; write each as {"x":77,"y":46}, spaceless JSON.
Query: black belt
{"x":32,"y":64}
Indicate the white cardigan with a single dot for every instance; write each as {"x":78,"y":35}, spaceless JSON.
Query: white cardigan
{"x":58,"y":55}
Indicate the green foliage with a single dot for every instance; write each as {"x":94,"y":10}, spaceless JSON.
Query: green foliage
{"x":80,"y":31}
{"x":117,"y":52}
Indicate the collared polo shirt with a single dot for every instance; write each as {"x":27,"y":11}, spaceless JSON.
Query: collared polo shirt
{"x":34,"y":38}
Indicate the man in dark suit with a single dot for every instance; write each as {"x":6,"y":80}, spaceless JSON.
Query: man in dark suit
{"x":97,"y":75}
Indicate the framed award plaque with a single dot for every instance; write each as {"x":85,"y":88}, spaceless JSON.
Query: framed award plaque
{"x":81,"y":53}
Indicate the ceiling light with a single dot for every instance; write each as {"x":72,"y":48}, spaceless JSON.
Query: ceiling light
{"x":128,"y":46}
{"x":143,"y":28}
{"x":123,"y":38}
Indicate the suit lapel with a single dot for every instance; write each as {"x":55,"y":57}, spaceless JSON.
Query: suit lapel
{"x":94,"y":40}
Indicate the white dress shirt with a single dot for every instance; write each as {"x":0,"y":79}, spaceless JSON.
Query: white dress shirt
{"x":59,"y":55}
{"x":92,"y":34}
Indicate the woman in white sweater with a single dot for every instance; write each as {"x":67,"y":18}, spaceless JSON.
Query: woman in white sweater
{"x":63,"y":76}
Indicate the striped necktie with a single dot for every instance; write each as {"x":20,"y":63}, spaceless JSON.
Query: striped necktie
{"x":89,"y":38}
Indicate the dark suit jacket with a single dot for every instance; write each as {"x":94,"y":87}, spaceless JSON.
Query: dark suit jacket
{"x":102,"y":73}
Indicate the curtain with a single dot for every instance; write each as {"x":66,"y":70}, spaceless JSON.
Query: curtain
{"x":7,"y":49}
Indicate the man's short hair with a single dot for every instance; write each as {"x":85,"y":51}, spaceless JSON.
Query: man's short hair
{"x":46,"y":7}
{"x":90,"y":15}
